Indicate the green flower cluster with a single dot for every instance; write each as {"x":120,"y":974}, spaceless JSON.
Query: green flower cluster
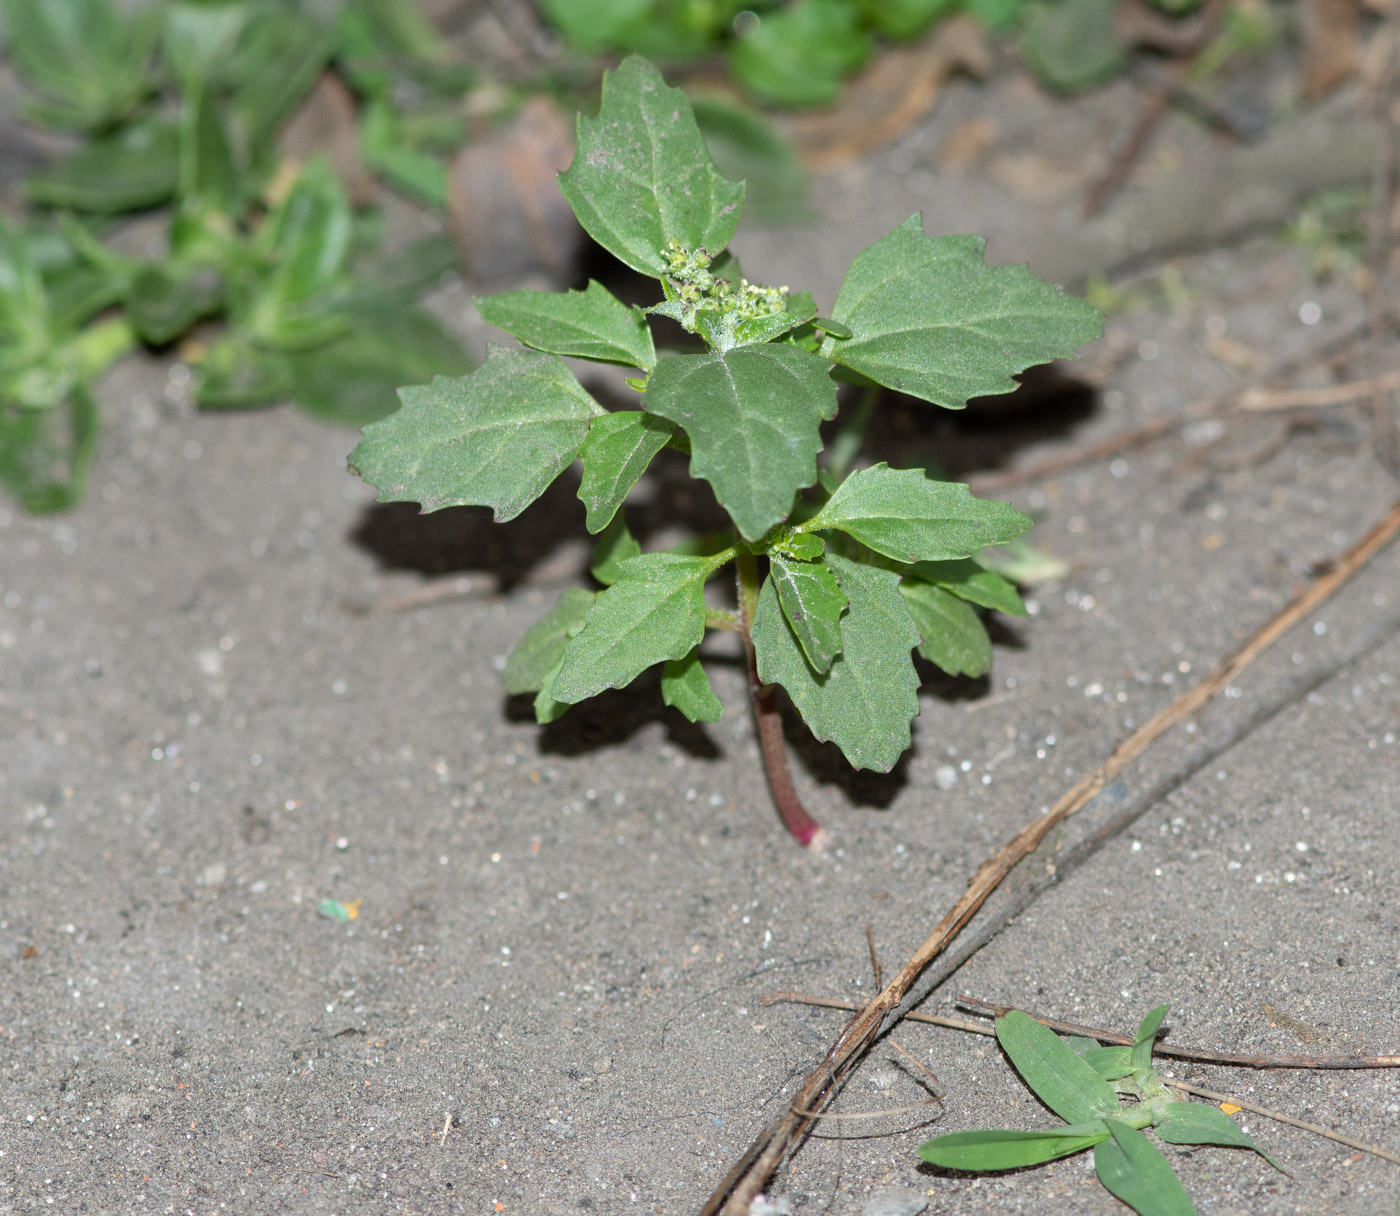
{"x":691,"y":288}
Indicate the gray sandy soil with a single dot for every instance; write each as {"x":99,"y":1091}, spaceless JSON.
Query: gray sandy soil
{"x":213,"y":717}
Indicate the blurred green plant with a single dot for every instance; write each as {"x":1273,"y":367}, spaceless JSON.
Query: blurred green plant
{"x":798,"y":53}
{"x":49,"y":357}
{"x":793,"y":54}
{"x":112,"y":76}
{"x":1331,"y":227}
{"x":1072,"y":45}
{"x":181,"y":106}
{"x":1082,"y":1083}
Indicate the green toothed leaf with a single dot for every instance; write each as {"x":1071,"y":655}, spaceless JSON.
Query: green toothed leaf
{"x":655,"y":611}
{"x":954,"y":637}
{"x":866,"y":700}
{"x":753,"y":417}
{"x":614,"y":546}
{"x":541,"y":650}
{"x":970,"y":581}
{"x":495,"y":438}
{"x":812,"y":601}
{"x":928,"y":318}
{"x":616,"y":453}
{"x":642,"y":176}
{"x":547,"y":709}
{"x":685,"y":685}
{"x":906,"y":515}
{"x":588,"y":324}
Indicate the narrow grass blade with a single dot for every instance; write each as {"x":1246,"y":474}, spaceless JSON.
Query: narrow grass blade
{"x":1009,"y":1150}
{"x":1146,"y":1037}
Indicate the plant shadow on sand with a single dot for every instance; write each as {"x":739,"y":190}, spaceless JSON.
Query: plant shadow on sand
{"x":1050,"y":404}
{"x":615,"y":717}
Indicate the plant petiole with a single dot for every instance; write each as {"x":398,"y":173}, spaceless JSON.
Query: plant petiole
{"x":725,"y":556}
{"x":828,"y":326}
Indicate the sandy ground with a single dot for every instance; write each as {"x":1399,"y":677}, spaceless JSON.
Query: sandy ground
{"x":213,"y":717}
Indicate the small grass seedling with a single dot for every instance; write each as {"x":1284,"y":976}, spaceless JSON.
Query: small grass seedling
{"x":841,"y":573}
{"x":1082,"y":1083}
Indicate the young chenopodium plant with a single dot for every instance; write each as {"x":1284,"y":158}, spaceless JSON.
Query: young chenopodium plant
{"x":1081,"y":1082}
{"x":840,"y":574}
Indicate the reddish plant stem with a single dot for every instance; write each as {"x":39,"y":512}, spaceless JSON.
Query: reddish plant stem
{"x":768,"y":721}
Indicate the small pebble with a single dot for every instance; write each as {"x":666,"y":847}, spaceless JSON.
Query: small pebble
{"x":895,"y":1201}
